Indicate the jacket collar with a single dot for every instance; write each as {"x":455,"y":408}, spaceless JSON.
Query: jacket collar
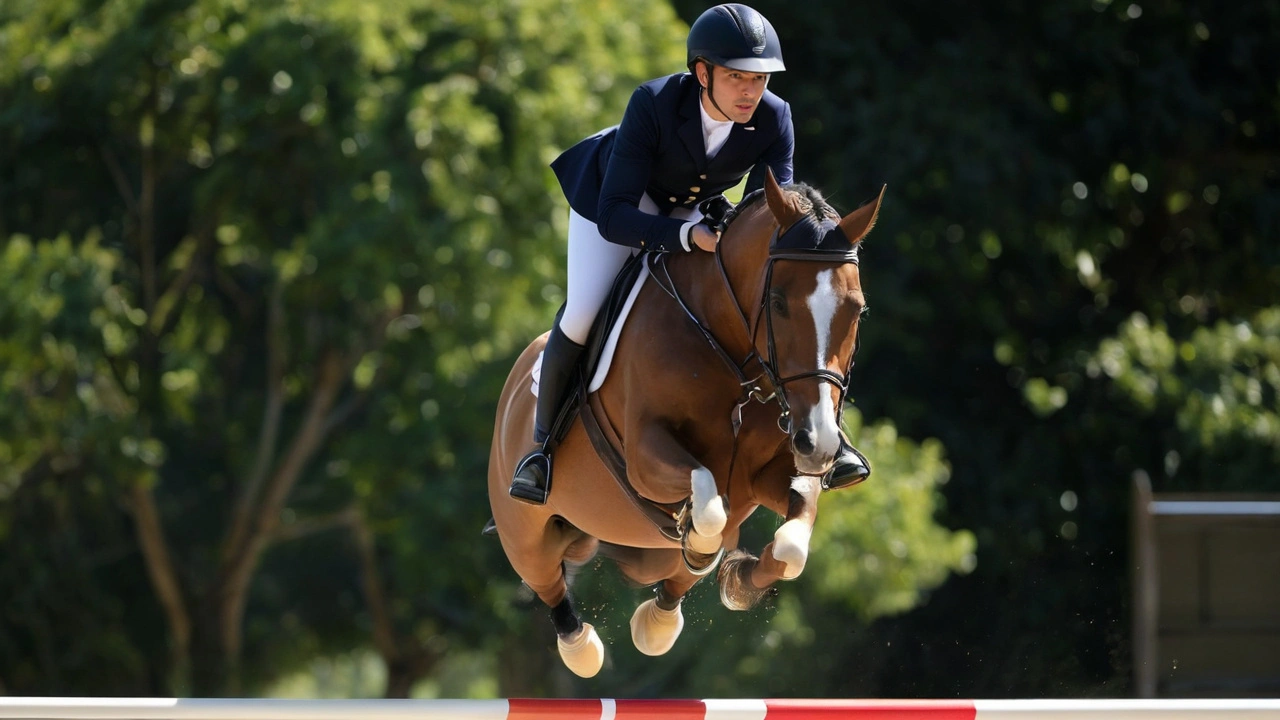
{"x":690,"y":131}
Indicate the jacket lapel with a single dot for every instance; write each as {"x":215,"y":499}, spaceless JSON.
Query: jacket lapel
{"x":690,"y":131}
{"x":740,"y":138}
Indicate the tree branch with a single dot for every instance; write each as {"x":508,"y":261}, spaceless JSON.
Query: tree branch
{"x":118,"y":176}
{"x":147,"y":222}
{"x":384,"y":637}
{"x":271,"y":413}
{"x":240,"y":561}
{"x":312,"y":525}
{"x":164,"y":578}
{"x":169,"y":305}
{"x":241,"y":299}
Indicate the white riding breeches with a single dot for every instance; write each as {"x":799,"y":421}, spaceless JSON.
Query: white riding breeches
{"x":593,"y":265}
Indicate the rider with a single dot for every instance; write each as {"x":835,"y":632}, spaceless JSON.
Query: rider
{"x":684,"y":139}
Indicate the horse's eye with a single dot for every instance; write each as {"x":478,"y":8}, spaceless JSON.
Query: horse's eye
{"x":778,"y":303}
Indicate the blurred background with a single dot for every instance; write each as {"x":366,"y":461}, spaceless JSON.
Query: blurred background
{"x":264,"y":265}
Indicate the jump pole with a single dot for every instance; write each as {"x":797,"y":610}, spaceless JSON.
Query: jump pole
{"x":89,"y":708}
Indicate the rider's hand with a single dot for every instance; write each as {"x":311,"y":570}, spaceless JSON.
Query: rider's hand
{"x":704,"y":237}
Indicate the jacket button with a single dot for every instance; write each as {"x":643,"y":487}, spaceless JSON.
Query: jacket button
{"x":672,"y":199}
{"x":691,"y":199}
{"x":695,"y":188}
{"x":702,"y":177}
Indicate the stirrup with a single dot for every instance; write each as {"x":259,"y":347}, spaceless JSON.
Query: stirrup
{"x":532,"y":480}
{"x":847,"y":474}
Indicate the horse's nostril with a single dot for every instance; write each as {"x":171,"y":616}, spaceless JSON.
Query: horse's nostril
{"x":803,"y":442}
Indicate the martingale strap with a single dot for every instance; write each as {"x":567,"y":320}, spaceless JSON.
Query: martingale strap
{"x":666,"y":517}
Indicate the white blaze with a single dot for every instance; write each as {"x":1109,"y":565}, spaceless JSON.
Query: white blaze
{"x":822,"y":306}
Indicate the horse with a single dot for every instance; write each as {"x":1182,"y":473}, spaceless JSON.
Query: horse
{"x":725,"y":391}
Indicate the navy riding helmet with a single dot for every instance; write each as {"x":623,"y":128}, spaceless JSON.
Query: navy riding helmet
{"x":735,"y":36}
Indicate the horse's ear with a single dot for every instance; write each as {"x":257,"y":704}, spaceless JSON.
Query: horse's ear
{"x":785,"y":207}
{"x":858,"y":223}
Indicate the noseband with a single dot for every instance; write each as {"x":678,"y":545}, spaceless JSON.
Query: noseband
{"x":811,"y":240}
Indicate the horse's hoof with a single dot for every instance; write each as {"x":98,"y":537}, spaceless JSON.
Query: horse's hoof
{"x":582,"y":652}
{"x":654,"y":630}
{"x":736,"y":590}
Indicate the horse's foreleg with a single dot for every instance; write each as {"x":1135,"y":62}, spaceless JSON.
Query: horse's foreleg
{"x":785,"y":557}
{"x":670,"y":473}
{"x":744,"y":579}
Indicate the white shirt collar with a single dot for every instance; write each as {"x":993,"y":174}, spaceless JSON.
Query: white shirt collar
{"x":714,"y":132}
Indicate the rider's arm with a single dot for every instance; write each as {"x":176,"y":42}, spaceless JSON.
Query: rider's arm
{"x":635,"y":149}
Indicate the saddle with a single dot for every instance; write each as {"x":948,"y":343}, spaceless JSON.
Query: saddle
{"x":582,"y":401}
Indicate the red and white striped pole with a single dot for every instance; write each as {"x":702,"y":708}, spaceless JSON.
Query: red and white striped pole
{"x":31,"y":708}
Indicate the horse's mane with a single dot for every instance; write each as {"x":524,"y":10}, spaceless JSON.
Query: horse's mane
{"x":818,"y":205}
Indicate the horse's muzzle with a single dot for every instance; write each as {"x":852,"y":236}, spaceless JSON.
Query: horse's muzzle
{"x":814,"y":448}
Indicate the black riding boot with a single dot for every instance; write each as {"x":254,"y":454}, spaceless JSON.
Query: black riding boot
{"x":850,"y":468}
{"x":559,"y":364}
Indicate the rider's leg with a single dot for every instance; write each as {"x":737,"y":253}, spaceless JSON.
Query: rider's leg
{"x":593,"y":264}
{"x":851,"y":467}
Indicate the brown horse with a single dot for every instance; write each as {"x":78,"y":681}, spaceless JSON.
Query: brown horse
{"x":725,"y":390}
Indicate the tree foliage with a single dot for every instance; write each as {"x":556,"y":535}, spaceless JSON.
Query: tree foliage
{"x":1074,"y":189}
{"x":265,"y":263}
{"x":265,"y":266}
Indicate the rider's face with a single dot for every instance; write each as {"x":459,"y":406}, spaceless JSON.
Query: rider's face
{"x":736,"y":92}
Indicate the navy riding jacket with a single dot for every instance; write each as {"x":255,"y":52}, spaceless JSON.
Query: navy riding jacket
{"x":658,"y":149}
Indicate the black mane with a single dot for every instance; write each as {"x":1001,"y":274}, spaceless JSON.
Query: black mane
{"x":819,"y":207}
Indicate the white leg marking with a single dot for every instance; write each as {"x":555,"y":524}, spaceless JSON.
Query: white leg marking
{"x":708,"y":510}
{"x":822,"y":306}
{"x":803,"y":484}
{"x":791,"y":546}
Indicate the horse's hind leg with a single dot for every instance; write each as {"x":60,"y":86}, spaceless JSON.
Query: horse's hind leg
{"x":579,"y":645}
{"x":539,"y":560}
{"x":657,"y":623}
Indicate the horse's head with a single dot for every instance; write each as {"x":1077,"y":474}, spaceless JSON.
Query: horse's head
{"x":807,"y":303}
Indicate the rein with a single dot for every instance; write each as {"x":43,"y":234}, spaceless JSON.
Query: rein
{"x":769,"y":366}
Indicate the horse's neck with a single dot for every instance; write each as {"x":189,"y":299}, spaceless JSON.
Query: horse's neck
{"x":719,"y":306}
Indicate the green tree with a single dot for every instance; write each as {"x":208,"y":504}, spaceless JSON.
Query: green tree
{"x":1053,"y":169}
{"x":296,"y":246}
{"x":255,"y":318}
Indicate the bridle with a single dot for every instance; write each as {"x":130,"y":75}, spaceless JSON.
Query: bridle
{"x":810,"y":240}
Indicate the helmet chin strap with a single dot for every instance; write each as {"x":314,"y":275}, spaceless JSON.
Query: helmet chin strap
{"x":711,"y":78}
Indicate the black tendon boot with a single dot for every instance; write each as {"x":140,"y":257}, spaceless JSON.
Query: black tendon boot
{"x":850,"y":468}
{"x":559,"y":363}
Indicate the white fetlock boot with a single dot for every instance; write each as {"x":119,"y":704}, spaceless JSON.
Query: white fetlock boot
{"x":582,"y":652}
{"x":654,"y":630}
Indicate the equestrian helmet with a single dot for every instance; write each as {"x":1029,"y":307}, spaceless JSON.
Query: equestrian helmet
{"x":735,"y":36}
